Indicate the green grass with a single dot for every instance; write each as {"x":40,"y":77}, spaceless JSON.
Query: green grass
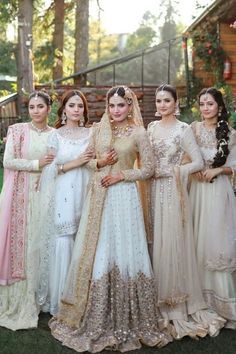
{"x":40,"y":341}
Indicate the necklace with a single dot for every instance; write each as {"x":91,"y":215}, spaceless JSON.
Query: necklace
{"x":38,"y":130}
{"x":119,"y":132}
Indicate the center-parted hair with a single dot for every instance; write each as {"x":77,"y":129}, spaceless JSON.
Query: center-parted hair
{"x":65,"y":98}
{"x":222,"y":128}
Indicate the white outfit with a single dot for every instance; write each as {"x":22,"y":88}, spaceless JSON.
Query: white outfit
{"x":214,"y":217}
{"x":62,"y":198}
{"x":180,"y":297}
{"x":120,"y":310}
{"x":18,"y":305}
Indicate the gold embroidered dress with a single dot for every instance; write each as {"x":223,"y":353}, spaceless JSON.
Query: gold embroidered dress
{"x":180,"y":299}
{"x":214,"y":216}
{"x":109,"y":299}
{"x":18,"y":306}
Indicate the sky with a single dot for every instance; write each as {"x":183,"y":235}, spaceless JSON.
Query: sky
{"x":124,"y":16}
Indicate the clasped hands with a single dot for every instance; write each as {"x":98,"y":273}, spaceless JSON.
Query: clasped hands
{"x":207,"y":175}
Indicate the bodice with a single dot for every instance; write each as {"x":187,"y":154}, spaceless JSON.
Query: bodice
{"x":167,"y":142}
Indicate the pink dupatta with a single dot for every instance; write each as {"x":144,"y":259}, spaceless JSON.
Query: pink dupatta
{"x":13,"y":211}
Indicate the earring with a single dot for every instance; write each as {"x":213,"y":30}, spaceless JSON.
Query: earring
{"x":177,"y":112}
{"x":129,"y":115}
{"x":64,"y":118}
{"x":219,"y":112}
{"x":81,"y":122}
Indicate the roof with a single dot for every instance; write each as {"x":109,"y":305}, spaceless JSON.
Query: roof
{"x":223,"y":10}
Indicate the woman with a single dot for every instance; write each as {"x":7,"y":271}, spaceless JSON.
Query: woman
{"x":25,"y":156}
{"x":214,"y":206}
{"x":109,"y":296}
{"x":63,"y":188}
{"x":179,"y":293}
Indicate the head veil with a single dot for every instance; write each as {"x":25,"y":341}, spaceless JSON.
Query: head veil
{"x":77,"y":290}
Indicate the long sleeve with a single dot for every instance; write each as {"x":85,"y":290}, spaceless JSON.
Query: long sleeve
{"x":12,"y":163}
{"x":231,"y":158}
{"x":146,"y":158}
{"x":92,"y":164}
{"x":190,"y":146}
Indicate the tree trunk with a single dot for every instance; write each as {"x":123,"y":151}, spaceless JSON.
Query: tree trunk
{"x":24,"y":53}
{"x":58,"y":39}
{"x":81,"y":39}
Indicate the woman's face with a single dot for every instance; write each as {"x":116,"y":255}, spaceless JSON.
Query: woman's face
{"x":74,"y":109}
{"x":165,"y":103}
{"x":118,"y":109}
{"x":208,"y":106}
{"x":38,"y":109}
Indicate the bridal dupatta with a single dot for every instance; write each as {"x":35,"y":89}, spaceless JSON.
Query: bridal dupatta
{"x":76,"y":295}
{"x":13,"y":211}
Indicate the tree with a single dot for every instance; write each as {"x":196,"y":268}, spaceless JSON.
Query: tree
{"x":81,"y":57}
{"x":24,"y":50}
{"x":58,"y":39}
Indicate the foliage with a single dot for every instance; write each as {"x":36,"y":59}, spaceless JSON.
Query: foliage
{"x":207,"y":48}
{"x":7,"y":62}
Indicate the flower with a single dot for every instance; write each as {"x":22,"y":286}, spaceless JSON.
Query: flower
{"x":233,"y":24}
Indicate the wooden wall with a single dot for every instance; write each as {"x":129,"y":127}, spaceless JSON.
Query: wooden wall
{"x":228,"y":42}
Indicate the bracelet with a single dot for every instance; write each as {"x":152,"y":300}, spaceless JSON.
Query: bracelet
{"x":232,"y":176}
{"x":61,"y":168}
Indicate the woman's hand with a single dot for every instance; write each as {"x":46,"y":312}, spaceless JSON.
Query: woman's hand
{"x":46,"y":160}
{"x":109,"y":180}
{"x":211,"y":173}
{"x":85,"y":157}
{"x":109,"y":158}
{"x":198,"y":176}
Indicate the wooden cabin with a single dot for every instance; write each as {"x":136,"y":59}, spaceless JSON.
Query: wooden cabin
{"x":214,"y":44}
{"x":8,"y":113}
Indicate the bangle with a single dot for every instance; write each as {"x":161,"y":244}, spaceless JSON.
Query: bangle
{"x":232,"y":176}
{"x":61,"y":167}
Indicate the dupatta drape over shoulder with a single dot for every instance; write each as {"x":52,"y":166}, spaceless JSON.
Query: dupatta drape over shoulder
{"x":13,"y":211}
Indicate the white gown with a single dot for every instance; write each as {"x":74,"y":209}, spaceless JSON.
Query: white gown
{"x":180,"y":297}
{"x":62,"y":198}
{"x":214,"y":216}
{"x":18,"y":305}
{"x":120,"y":309}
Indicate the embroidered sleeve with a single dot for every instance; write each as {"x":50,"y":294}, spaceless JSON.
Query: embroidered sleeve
{"x":53,"y":141}
{"x":92,"y":164}
{"x":231,"y":158}
{"x":190,"y":146}
{"x":146,"y":159}
{"x":10,"y":162}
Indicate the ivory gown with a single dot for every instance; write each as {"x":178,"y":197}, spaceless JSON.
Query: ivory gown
{"x":214,"y":217}
{"x":180,"y":298}
{"x":18,"y":305}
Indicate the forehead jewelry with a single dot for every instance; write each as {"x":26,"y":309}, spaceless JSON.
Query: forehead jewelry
{"x":76,"y":93}
{"x":116,"y":93}
{"x":36,"y":96}
{"x":206,"y":96}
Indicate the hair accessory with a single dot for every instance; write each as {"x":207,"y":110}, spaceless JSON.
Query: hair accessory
{"x":76,"y":93}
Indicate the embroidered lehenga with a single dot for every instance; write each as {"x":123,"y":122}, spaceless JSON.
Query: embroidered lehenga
{"x":214,"y":216}
{"x":61,"y":203}
{"x":109,"y":299}
{"x":180,"y":298}
{"x":19,"y":215}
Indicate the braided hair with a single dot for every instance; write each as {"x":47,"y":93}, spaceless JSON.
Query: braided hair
{"x":222,"y":128}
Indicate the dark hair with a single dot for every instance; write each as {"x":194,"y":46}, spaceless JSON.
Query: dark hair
{"x":44,"y":95}
{"x":168,"y":88}
{"x":65,"y":98}
{"x":222,"y":128}
{"x":121,"y":91}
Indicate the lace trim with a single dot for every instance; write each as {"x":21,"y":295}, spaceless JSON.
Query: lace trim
{"x":221,"y":263}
